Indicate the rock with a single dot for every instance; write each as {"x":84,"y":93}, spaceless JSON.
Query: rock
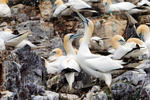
{"x":45,"y":9}
{"x":108,"y":28}
{"x":47,"y":96}
{"x":69,"y":97}
{"x":144,"y":19}
{"x":96,"y":94}
{"x":27,"y":78}
{"x":128,"y":85}
{"x":23,"y":13}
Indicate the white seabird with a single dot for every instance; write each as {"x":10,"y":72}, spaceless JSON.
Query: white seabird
{"x":95,"y":65}
{"x":4,"y":9}
{"x":143,"y":32}
{"x":64,"y":9}
{"x":66,"y":64}
{"x":122,"y":6}
{"x":54,"y":54}
{"x":133,"y":48}
{"x":70,"y":66}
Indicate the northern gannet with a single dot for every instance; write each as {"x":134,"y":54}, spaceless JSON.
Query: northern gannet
{"x":54,"y":54}
{"x":4,"y":9}
{"x":122,"y":6}
{"x":95,"y":65}
{"x":143,"y":32}
{"x":2,"y":45}
{"x":143,"y":2}
{"x":133,"y":48}
{"x":64,"y":9}
{"x":65,"y":64}
{"x":69,"y":65}
{"x":16,"y":39}
{"x":11,"y":39}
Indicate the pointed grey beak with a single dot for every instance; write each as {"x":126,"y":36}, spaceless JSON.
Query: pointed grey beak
{"x":104,"y":38}
{"x":52,"y":53}
{"x":53,"y":8}
{"x":78,"y":35}
{"x":79,"y":14}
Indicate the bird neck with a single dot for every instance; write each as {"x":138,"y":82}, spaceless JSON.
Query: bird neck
{"x":86,"y":40}
{"x":69,"y":48}
{"x":146,"y":36}
{"x":3,"y":1}
{"x":116,"y":45}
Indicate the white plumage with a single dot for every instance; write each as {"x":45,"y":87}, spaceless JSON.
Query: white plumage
{"x":142,"y":2}
{"x":5,"y":10}
{"x":122,"y":6}
{"x":143,"y":32}
{"x":95,"y":65}
{"x":2,"y":45}
{"x":65,"y":9}
{"x":26,"y":42}
{"x":133,"y":48}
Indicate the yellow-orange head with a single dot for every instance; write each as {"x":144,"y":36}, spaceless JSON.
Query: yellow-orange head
{"x":3,"y":1}
{"x":59,"y":2}
{"x":136,"y":40}
{"x":117,"y":41}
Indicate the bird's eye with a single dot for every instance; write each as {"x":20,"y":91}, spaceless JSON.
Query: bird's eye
{"x":71,"y":36}
{"x":87,"y":21}
{"x":106,"y":3}
{"x":121,"y":40}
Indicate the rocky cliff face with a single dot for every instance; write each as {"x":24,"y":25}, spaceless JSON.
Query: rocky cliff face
{"x":23,"y":72}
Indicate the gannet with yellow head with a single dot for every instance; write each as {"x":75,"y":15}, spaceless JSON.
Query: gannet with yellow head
{"x":4,"y":9}
{"x":11,"y":39}
{"x":133,"y":48}
{"x":54,"y":54}
{"x":69,"y":65}
{"x":95,"y":65}
{"x":65,"y":9}
{"x":122,"y":6}
{"x":143,"y":32}
{"x":65,"y":64}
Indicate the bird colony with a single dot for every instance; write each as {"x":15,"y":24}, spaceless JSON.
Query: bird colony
{"x":82,"y":55}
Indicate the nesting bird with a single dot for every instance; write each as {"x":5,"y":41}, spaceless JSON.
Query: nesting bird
{"x":122,"y":6}
{"x":143,"y":32}
{"x":95,"y":65}
{"x":4,"y":9}
{"x":133,"y":48}
{"x":65,"y":9}
{"x":54,"y":54}
{"x":66,"y":65}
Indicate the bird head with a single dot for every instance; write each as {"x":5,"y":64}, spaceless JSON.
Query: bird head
{"x":106,"y":2}
{"x":59,"y":2}
{"x":136,"y":40}
{"x":3,"y":1}
{"x":56,"y":52}
{"x":68,"y":41}
{"x":143,"y":32}
{"x":117,"y":41}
